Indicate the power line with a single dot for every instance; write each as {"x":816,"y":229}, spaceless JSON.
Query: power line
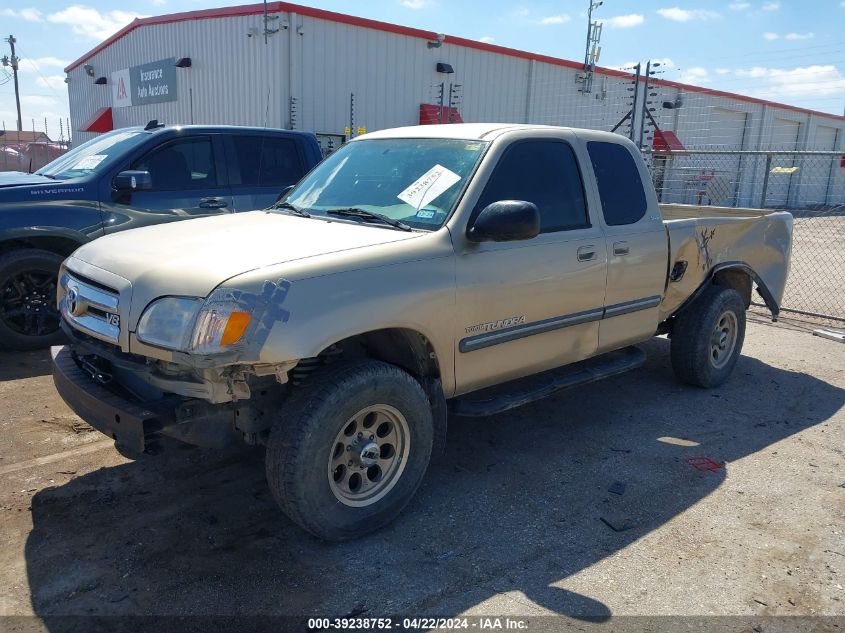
{"x":38,"y":70}
{"x":32,"y":94}
{"x":783,"y":50}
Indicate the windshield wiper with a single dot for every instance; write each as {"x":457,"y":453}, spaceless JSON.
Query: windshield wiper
{"x":354,"y":212}
{"x":291,"y":207}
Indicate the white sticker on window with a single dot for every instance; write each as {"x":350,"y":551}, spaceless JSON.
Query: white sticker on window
{"x":90,"y":162}
{"x":428,"y":186}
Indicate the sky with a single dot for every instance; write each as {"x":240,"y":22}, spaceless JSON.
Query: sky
{"x":790,"y":51}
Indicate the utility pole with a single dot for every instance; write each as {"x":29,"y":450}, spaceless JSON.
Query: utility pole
{"x":13,"y":62}
{"x":645,"y":103}
{"x":454,"y":99}
{"x":649,"y":73}
{"x":632,"y":113}
{"x":440,"y":98}
{"x":638,"y":69}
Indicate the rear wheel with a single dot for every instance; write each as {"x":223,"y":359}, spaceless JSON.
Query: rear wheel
{"x":350,"y":448}
{"x":29,"y":318}
{"x":707,"y":337}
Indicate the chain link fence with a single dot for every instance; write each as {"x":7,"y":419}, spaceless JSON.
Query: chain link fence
{"x":31,"y":149}
{"x":811,"y":185}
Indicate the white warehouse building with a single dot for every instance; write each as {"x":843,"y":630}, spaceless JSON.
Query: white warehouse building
{"x":297,"y":67}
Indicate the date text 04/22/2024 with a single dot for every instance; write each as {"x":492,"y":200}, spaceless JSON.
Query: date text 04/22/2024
{"x":418,"y":624}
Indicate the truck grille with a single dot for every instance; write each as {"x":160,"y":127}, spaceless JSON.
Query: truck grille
{"x":90,"y":307}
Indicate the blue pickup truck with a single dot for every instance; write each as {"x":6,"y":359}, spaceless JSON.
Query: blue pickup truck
{"x":122,"y":180}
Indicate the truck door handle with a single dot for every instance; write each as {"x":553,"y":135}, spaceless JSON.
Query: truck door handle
{"x":213,"y":203}
{"x":620,"y":248}
{"x":586,"y":253}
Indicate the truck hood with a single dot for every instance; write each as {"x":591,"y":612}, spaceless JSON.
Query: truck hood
{"x":193,"y":257}
{"x":18,"y":178}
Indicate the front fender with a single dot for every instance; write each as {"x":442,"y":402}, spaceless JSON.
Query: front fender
{"x":301,"y":317}
{"x":79,"y":222}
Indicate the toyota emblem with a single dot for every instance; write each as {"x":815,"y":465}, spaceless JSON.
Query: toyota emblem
{"x":73,"y":300}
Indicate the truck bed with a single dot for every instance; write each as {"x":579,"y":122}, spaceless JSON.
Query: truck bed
{"x":689,"y":212}
{"x":705,"y":237}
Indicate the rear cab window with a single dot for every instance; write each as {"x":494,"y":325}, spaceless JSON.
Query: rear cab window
{"x":620,"y":187}
{"x":267,"y":161}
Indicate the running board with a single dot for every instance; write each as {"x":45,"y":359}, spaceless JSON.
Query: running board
{"x":548,"y":383}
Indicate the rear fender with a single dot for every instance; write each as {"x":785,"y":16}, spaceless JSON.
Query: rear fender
{"x":700,"y":248}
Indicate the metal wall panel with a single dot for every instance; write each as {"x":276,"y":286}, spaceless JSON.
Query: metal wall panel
{"x":234,"y":79}
{"x":391,"y":75}
{"x":237,"y":79}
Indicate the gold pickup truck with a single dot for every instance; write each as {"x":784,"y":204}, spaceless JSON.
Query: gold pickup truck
{"x":414,"y":272}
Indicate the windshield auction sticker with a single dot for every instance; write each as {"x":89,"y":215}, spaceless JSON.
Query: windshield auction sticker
{"x":90,"y":162}
{"x":428,"y":186}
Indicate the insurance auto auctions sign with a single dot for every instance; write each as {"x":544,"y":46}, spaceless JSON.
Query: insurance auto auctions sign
{"x":149,"y":83}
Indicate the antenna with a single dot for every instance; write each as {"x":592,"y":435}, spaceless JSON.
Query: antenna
{"x":267,"y":19}
{"x":592,"y":51}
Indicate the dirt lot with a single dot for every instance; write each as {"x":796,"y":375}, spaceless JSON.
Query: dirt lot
{"x":508,"y":522}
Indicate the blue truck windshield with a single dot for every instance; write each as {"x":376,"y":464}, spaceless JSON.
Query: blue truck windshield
{"x":92,"y":155}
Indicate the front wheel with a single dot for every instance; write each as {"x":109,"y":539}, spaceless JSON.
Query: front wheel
{"x":707,"y":337}
{"x":349,"y":449}
{"x":29,"y":318}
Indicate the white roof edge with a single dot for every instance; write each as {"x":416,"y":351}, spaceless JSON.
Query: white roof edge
{"x":477,"y":131}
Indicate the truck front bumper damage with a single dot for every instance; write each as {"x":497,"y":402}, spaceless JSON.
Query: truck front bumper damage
{"x":135,"y":425}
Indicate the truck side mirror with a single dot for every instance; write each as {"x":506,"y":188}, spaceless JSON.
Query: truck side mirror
{"x":132,"y":180}
{"x":506,"y":221}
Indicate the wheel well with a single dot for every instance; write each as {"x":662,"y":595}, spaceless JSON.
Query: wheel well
{"x":405,"y":348}
{"x":63,"y":246}
{"x":402,"y":347}
{"x":737,"y":279}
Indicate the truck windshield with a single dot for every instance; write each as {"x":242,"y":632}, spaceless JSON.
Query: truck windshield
{"x":91,"y":155}
{"x":415,"y":181}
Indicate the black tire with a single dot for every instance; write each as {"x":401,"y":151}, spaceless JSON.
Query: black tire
{"x":305,"y":433}
{"x":29,"y":318}
{"x":695,"y":348}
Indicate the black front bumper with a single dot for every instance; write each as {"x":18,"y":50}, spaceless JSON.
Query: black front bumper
{"x":129,"y":424}
{"x":138,"y":426}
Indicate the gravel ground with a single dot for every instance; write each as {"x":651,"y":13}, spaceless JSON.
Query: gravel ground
{"x":517,"y":518}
